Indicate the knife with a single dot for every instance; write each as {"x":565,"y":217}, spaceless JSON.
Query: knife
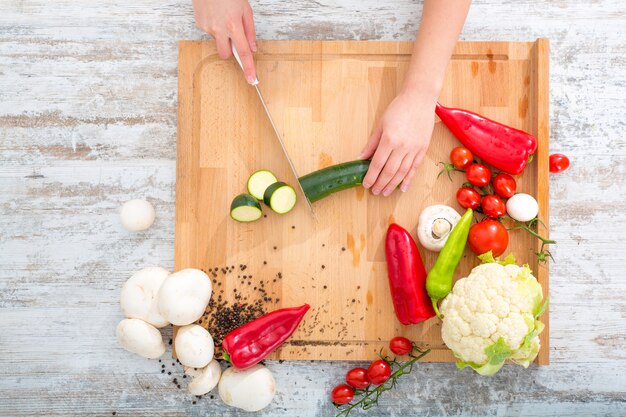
{"x":255,"y":84}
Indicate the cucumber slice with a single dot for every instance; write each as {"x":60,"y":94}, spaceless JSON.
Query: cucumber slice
{"x":259,"y":181}
{"x":280,"y":197}
{"x":245,"y":208}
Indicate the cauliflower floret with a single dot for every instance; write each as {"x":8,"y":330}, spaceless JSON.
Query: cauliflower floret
{"x":474,"y":348}
{"x":492,"y":314}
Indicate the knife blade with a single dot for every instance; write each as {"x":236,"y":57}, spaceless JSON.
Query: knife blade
{"x":255,"y":84}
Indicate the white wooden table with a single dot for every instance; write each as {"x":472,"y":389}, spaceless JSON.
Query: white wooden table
{"x":88,"y":120}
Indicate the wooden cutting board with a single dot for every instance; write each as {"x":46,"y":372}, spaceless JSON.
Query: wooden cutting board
{"x":325,"y":97}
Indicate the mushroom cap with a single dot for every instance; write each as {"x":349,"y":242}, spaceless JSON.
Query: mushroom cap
{"x":428,"y":220}
{"x":141,"y":338}
{"x":250,"y":389}
{"x":194,"y":346}
{"x":522,"y":207}
{"x":137,"y":215}
{"x":139,"y":296}
{"x":205,"y":379}
{"x":184,"y":296}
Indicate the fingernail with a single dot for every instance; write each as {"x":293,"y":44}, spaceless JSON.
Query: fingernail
{"x":250,"y":79}
{"x":386,"y":193}
{"x":253,"y":46}
{"x":366,"y":185}
{"x":375,"y":191}
{"x":404,"y":187}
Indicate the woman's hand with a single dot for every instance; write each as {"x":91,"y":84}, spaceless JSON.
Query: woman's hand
{"x":228,"y":20}
{"x":399,"y":142}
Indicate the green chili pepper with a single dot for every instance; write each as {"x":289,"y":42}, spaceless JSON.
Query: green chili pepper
{"x":439,"y":279}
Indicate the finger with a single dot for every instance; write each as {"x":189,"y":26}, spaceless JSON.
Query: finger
{"x":245,"y":54}
{"x":248,"y":28}
{"x":223,"y":45}
{"x":372,"y":143}
{"x":402,"y":172}
{"x":377,"y":165}
{"x":391,"y":167}
{"x":409,"y":177}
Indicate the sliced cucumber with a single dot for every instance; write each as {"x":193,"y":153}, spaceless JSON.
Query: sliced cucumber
{"x":280,"y":197}
{"x":322,"y":183}
{"x":245,"y":208}
{"x":259,"y":181}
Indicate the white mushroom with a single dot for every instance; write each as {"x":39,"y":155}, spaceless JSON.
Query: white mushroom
{"x":251,"y":389}
{"x":435,"y":224}
{"x":141,"y":338}
{"x":522,"y":207}
{"x":137,"y":215}
{"x":205,"y":379}
{"x":139,"y":296}
{"x":194,"y":346}
{"x":184,"y":296}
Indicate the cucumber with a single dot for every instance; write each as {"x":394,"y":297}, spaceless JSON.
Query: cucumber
{"x":259,"y":181}
{"x":245,"y":208}
{"x":280,"y":197}
{"x":327,"y":181}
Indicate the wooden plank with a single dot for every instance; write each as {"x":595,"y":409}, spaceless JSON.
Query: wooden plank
{"x":326,"y":98}
{"x":541,"y":129}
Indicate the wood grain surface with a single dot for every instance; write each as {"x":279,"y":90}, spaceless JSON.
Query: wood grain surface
{"x":325,"y":97}
{"x":88,"y":120}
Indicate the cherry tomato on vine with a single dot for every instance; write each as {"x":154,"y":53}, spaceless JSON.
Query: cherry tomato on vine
{"x":558,"y":163}
{"x":504,"y":185}
{"x":478,"y":175}
{"x":378,"y":372}
{"x":401,"y":345}
{"x":342,"y":394}
{"x":468,"y":198}
{"x":493,"y":206}
{"x":488,"y":235}
{"x":461,"y":157}
{"x":357,"y":377}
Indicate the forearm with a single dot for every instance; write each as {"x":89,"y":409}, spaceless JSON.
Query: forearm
{"x":442,"y":21}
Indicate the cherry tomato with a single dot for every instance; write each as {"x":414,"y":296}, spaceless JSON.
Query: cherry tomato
{"x":357,"y":377}
{"x":493,"y":206}
{"x":488,"y":235}
{"x":558,"y":162}
{"x":401,"y":345}
{"x":504,"y":185}
{"x":378,"y":372}
{"x":478,"y":175}
{"x":468,"y":198}
{"x":461,"y":157}
{"x":342,"y":394}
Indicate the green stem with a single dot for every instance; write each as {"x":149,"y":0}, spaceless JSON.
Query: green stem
{"x":535,"y":234}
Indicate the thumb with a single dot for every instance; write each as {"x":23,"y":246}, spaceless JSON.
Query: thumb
{"x":372,"y":143}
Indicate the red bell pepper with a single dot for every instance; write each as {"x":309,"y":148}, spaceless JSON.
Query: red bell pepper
{"x":251,"y":343}
{"x":504,"y":147}
{"x":407,"y":277}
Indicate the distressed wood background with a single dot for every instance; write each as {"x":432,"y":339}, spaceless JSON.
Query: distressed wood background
{"x":88,"y":121}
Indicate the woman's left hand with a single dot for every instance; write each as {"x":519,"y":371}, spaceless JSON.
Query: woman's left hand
{"x":399,"y":143}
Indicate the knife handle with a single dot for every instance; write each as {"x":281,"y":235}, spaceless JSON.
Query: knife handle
{"x":236,"y":55}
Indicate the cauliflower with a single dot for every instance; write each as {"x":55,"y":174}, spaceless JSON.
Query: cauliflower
{"x":492,"y":315}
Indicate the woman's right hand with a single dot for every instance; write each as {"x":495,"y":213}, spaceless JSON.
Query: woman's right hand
{"x":226,"y":21}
